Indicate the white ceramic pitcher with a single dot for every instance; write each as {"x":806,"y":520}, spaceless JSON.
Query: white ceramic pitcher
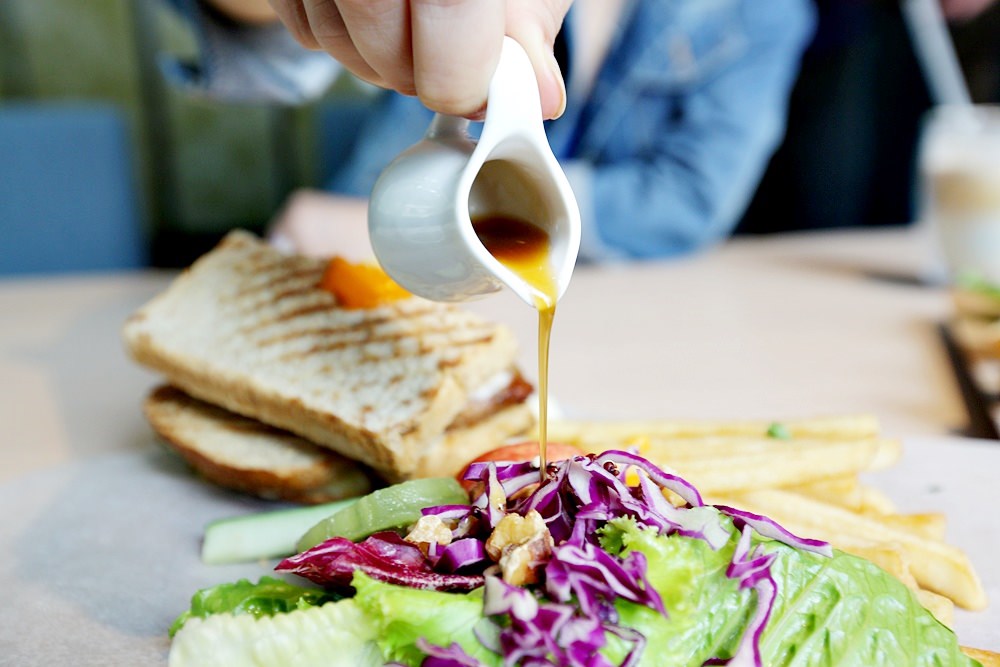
{"x":421,"y":209}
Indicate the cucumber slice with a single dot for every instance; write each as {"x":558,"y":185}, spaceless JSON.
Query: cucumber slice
{"x":267,"y":535}
{"x":338,"y":634}
{"x":392,"y":507}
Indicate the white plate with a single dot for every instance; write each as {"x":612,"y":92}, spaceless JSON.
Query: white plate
{"x":961,"y":478}
{"x":97,"y":558}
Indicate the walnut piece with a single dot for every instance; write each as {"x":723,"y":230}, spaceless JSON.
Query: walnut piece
{"x":520,"y":545}
{"x":429,"y":529}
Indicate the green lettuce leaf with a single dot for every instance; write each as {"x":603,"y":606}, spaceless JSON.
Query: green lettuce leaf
{"x":706,"y":610}
{"x":403,"y":615}
{"x":267,"y":597}
{"x":977,"y":283}
{"x":830,"y":611}
{"x":847,"y":609}
{"x":336,"y":634}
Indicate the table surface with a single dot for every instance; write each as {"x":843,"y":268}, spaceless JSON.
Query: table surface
{"x":788,"y":326}
{"x":777,"y":327}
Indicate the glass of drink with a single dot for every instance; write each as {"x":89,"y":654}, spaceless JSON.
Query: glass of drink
{"x":960,"y":189}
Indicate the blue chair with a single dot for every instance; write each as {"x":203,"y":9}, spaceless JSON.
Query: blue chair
{"x":68,"y":195}
{"x":338,"y":125}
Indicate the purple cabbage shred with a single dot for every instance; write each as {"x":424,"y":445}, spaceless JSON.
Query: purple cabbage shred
{"x":383,"y":556}
{"x":446,"y":656}
{"x":566,"y":620}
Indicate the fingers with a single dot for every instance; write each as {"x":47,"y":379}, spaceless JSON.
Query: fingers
{"x":380,"y":33}
{"x":535,"y":24}
{"x":962,"y":10}
{"x":293,"y":14}
{"x":331,"y":32}
{"x":444,"y":51}
{"x":456,"y":46}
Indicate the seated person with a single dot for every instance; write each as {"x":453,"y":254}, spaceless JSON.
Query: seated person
{"x":671,"y":111}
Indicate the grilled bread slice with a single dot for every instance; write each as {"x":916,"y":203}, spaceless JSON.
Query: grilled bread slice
{"x":245,"y":455}
{"x":249,"y":329}
{"x":976,"y":324}
{"x":979,"y":337}
{"x":976,"y":303}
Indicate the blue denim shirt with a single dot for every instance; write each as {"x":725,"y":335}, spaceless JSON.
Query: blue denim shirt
{"x":667,"y":150}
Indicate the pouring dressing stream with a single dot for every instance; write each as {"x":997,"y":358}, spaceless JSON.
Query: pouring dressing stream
{"x":451,"y":219}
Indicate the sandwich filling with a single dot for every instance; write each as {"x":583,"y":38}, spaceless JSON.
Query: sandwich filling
{"x":505,"y":389}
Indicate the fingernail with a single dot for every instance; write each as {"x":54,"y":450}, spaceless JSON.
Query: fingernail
{"x":478,"y":116}
{"x":552,"y":90}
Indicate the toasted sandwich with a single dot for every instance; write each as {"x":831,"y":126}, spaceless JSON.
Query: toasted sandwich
{"x":246,"y":455}
{"x":411,"y":388}
{"x":976,"y":322}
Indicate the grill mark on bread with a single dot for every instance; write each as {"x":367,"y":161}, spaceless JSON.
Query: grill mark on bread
{"x":310,"y":276}
{"x":449,"y":362}
{"x":247,"y":303}
{"x":296,"y":291}
{"x":398,"y":352}
{"x":283,"y":318}
{"x":291,"y":293}
{"x":266,"y":259}
{"x":323,"y":331}
{"x":254,"y":252}
{"x":369,"y":324}
{"x":327,"y":305}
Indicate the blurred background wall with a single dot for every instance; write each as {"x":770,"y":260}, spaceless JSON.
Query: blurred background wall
{"x":104,"y":165}
{"x":183,"y":170}
{"x":850,"y":149}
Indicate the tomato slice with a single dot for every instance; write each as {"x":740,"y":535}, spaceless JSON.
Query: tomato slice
{"x":519,"y":452}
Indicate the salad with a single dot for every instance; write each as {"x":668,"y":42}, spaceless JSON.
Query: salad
{"x":606,"y":560}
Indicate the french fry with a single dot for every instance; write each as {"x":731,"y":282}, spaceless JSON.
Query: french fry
{"x":732,"y":463}
{"x":715,"y":446}
{"x":985,"y":658}
{"x":845,"y":491}
{"x":942,"y":608}
{"x":937,"y":566}
{"x":874,"y":501}
{"x":804,"y":475}
{"x":604,"y":433}
{"x":888,"y":454}
{"x":890,"y":557}
{"x":929,"y":525}
{"x":737,"y":467}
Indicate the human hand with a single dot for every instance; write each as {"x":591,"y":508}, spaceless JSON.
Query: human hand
{"x":962,"y":10}
{"x":442,"y":51}
{"x":318,"y":224}
{"x":254,"y":12}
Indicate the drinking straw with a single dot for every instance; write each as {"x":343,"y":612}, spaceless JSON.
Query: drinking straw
{"x":936,"y":52}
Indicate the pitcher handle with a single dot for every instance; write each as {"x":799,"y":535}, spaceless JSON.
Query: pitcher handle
{"x":445,"y":128}
{"x":514,"y":104}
